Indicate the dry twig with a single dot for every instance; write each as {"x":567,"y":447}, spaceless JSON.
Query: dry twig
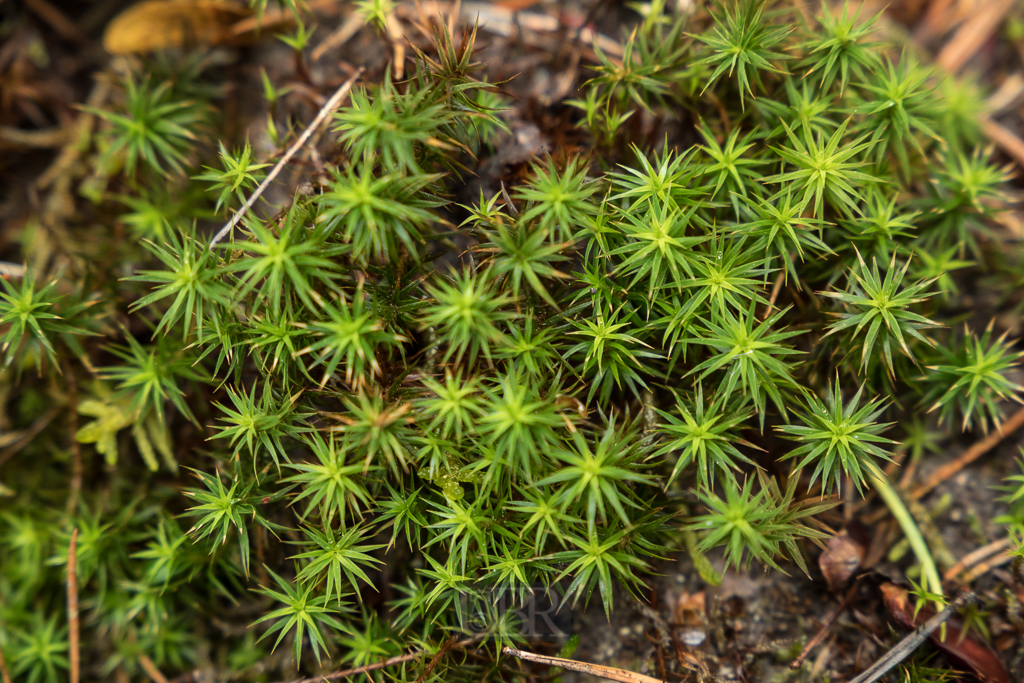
{"x":1005,"y":139}
{"x":973,"y":34}
{"x":4,"y":674}
{"x":988,"y":565}
{"x":970,"y":455}
{"x":325,"y":110}
{"x":605,"y":672}
{"x":400,"y":659}
{"x":47,"y":137}
{"x":971,"y":559}
{"x":73,"y":649}
{"x":151,"y":670}
{"x":339,"y":37}
{"x":436,"y":659}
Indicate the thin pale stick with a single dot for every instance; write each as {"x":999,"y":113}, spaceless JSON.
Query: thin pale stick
{"x":974,"y":33}
{"x":971,"y":559}
{"x":907,"y":646}
{"x":341,"y":35}
{"x":1006,"y":139}
{"x":74,"y":655}
{"x":151,"y":670}
{"x":970,"y":455}
{"x":331,"y":104}
{"x":605,"y":672}
{"x":11,"y":269}
{"x":776,"y":288}
{"x":4,"y":674}
{"x":400,"y":659}
{"x":988,"y":565}
{"x":396,"y":36}
{"x":39,"y":139}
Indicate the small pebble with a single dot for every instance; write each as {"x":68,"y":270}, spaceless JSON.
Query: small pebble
{"x":680,"y":579}
{"x":956,"y":515}
{"x":624,"y":632}
{"x":693,"y":637}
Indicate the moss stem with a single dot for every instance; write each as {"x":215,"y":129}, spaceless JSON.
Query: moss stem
{"x":929,"y":572}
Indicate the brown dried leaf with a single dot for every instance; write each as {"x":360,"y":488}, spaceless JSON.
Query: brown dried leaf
{"x":840,"y":560}
{"x":159,"y":24}
{"x":966,"y":650}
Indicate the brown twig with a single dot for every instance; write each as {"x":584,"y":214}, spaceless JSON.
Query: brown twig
{"x":973,"y":34}
{"x":938,"y":18}
{"x":776,"y":289}
{"x":4,"y":674}
{"x":907,"y":646}
{"x":988,"y":565}
{"x":436,"y":659}
{"x":969,"y":560}
{"x":823,"y":631}
{"x":73,"y":649}
{"x":1005,"y":139}
{"x":394,"y":32}
{"x":339,"y":37}
{"x":605,"y":672}
{"x":331,"y":104}
{"x":400,"y":659}
{"x":39,"y":139}
{"x":151,"y":670}
{"x":970,"y":455}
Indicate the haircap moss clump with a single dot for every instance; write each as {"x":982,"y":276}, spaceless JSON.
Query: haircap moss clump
{"x":693,"y":329}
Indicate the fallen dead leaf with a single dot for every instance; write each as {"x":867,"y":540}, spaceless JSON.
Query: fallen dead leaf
{"x":965,"y":650}
{"x":160,"y":24}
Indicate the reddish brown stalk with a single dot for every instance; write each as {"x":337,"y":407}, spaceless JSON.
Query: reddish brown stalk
{"x":151,"y":670}
{"x":970,"y":455}
{"x":74,"y":658}
{"x":4,"y":674}
{"x":970,"y":560}
{"x":400,"y":659}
